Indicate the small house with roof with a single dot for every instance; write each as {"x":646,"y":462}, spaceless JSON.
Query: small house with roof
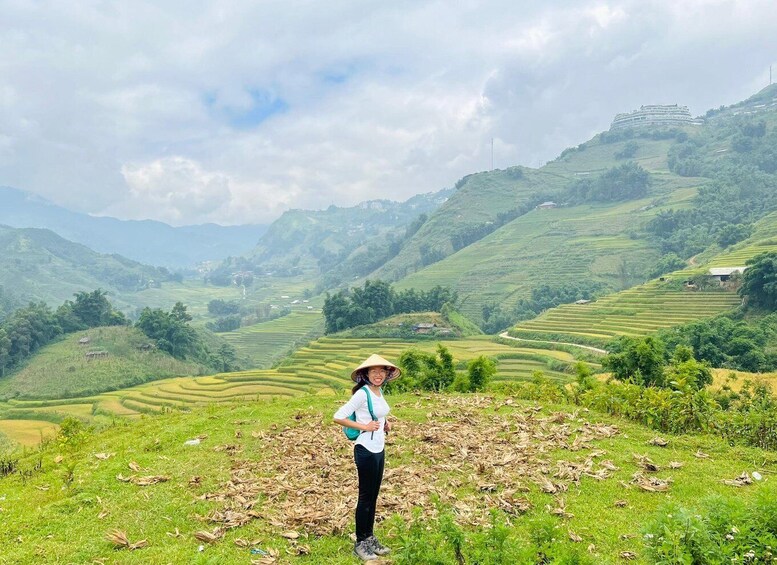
{"x":722,"y":274}
{"x":547,"y":205}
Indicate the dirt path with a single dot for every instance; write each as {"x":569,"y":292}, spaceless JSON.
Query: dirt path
{"x":588,"y":347}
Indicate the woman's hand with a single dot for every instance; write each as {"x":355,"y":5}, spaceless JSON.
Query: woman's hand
{"x":387,"y":427}
{"x":372,"y":426}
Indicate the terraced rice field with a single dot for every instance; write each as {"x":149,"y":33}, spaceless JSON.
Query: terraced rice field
{"x":27,"y":432}
{"x":264,"y":343}
{"x":322,"y":367}
{"x":634,"y":312}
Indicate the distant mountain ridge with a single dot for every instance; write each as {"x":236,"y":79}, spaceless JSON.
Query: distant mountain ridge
{"x":39,"y":265}
{"x":317,"y":241}
{"x":147,"y":241}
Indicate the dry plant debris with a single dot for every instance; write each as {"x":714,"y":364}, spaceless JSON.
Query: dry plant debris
{"x":740,"y":481}
{"x":658,"y":441}
{"x":646,"y":463}
{"x":143,"y":481}
{"x":120,"y":540}
{"x":470,"y":458}
{"x":210,"y":537}
{"x":104,"y":456}
{"x":650,"y":484}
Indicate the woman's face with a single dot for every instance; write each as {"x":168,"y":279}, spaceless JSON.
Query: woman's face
{"x":376,"y":375}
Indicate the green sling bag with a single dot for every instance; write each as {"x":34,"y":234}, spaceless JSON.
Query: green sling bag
{"x":352,"y":433}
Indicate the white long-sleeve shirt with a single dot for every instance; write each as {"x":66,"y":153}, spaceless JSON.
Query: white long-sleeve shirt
{"x":373,"y":441}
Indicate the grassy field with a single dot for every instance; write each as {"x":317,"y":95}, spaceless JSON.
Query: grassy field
{"x":279,"y":476}
{"x":263,"y":344}
{"x":322,"y":367}
{"x":62,"y":369}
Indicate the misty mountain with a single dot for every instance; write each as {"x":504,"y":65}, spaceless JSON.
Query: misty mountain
{"x":347,"y":240}
{"x":39,"y":265}
{"x":146,"y":241}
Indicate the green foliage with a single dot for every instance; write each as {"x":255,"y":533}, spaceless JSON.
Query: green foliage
{"x":638,"y":361}
{"x":424,"y":371}
{"x":628,"y":151}
{"x":497,"y":317}
{"x":72,"y":433}
{"x":624,"y":182}
{"x":377,"y":300}
{"x":171,"y":332}
{"x":759,"y":281}
{"x":666,"y":264}
{"x":720,"y":530}
{"x":447,"y":543}
{"x":725,"y":341}
{"x":219,"y":307}
{"x":480,"y":372}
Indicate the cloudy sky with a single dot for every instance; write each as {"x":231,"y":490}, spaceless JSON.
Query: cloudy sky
{"x":232,"y":112}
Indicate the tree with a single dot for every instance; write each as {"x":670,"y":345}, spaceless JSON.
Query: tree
{"x":480,"y":371}
{"x":226,"y":358}
{"x":171,"y":331}
{"x":638,"y":361}
{"x":686,"y":372}
{"x":759,"y":281}
{"x":5,"y":351}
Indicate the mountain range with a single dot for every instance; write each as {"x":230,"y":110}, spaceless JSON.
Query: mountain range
{"x":146,"y":241}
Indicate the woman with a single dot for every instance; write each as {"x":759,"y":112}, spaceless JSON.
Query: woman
{"x":368,"y":451}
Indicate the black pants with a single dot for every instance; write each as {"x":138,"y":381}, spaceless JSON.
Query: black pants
{"x":369,"y":466}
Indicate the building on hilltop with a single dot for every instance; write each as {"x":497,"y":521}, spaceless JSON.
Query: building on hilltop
{"x":654,"y":115}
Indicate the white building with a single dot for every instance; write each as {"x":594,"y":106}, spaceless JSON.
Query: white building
{"x":654,"y":115}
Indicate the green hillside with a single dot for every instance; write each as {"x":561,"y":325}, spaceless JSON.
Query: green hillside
{"x":560,"y":246}
{"x":654,"y":305}
{"x":314,"y":241}
{"x":478,"y":201}
{"x":602,"y":242}
{"x":38,"y":265}
{"x":279,"y":477}
{"x":65,"y":369}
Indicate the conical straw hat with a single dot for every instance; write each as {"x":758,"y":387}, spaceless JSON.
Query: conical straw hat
{"x":377,"y":361}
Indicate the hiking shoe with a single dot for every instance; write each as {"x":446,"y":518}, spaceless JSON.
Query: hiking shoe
{"x":377,"y":547}
{"x":363,"y":551}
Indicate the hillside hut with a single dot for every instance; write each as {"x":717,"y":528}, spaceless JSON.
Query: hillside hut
{"x":582,"y":301}
{"x":84,"y":341}
{"x":547,"y":205}
{"x":423,"y":328}
{"x":95,"y":355}
{"x":722,"y":274}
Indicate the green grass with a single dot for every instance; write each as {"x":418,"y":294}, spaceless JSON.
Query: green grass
{"x":63,"y":512}
{"x":62,"y":370}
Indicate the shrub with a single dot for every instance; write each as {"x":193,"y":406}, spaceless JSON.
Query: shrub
{"x":480,"y":371}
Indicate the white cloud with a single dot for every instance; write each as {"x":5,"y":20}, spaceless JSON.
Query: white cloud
{"x":233,"y":112}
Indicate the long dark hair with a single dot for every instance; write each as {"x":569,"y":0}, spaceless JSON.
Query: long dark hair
{"x":361,"y":380}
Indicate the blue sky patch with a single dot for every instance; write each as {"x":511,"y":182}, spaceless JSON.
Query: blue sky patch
{"x":263,"y":106}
